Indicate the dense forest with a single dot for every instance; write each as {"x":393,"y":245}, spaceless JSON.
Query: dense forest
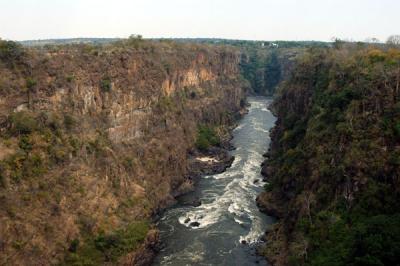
{"x":262,"y":69}
{"x":333,"y":167}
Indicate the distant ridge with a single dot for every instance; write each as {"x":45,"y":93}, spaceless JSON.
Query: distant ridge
{"x":219,"y":41}
{"x":68,"y":41}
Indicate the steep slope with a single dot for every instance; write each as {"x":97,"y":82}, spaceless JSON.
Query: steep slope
{"x":264,"y":64}
{"x":265,"y":67}
{"x":333,"y":168}
{"x":95,"y":139}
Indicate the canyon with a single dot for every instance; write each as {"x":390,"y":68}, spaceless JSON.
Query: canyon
{"x":107,"y":148}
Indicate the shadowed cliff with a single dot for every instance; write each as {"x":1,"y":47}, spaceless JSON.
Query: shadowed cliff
{"x":333,"y":167}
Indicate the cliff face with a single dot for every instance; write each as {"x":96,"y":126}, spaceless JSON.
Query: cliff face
{"x":333,"y":168}
{"x":265,"y":68}
{"x":94,"y":140}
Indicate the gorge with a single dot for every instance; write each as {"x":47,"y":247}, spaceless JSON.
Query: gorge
{"x":140,"y":152}
{"x":227,"y":224}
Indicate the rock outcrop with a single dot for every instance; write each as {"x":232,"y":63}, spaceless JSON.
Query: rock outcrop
{"x":97,"y":137}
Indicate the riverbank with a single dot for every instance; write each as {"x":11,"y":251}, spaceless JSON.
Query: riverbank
{"x":220,"y":214}
{"x":272,"y":205}
{"x":214,"y":160}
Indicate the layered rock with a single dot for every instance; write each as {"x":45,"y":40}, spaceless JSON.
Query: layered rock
{"x":109,"y":129}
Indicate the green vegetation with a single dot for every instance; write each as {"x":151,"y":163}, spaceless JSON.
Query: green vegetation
{"x":10,"y":52}
{"x":30,"y":83}
{"x":262,"y":68}
{"x":252,"y":44}
{"x":273,"y":72}
{"x":206,"y":137}
{"x":42,"y":143}
{"x":107,"y":247}
{"x":335,"y":157}
{"x":70,"y":78}
{"x":69,"y":121}
{"x":264,"y":64}
{"x":22,"y":123}
{"x":105,"y":84}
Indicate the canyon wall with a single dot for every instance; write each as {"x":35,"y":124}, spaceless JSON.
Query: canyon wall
{"x":95,"y":140}
{"x":333,"y":166}
{"x":265,"y":68}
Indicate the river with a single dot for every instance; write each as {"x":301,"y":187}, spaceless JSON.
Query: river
{"x":228,"y":216}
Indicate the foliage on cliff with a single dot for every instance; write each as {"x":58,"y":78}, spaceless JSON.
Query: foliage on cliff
{"x":264,"y":67}
{"x":262,"y":71}
{"x":94,"y":140}
{"x":206,"y":137}
{"x":334,"y":164}
{"x":264,"y":64}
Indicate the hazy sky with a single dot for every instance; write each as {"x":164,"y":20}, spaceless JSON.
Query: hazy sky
{"x":236,"y":19}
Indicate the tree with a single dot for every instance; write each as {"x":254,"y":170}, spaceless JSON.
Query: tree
{"x":372,"y":40}
{"x":135,"y":37}
{"x":337,"y":43}
{"x":272,"y":72}
{"x":393,"y":40}
{"x":30,"y":89}
{"x":10,"y":51}
{"x":135,"y":40}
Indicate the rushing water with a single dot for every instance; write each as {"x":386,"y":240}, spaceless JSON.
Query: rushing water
{"x":228,"y":215}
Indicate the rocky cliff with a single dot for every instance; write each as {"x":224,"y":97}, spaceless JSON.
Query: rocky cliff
{"x":333,"y":167}
{"x":95,"y":139}
{"x":265,"y":67}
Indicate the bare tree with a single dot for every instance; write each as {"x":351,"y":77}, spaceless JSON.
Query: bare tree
{"x":372,"y":40}
{"x":393,"y":40}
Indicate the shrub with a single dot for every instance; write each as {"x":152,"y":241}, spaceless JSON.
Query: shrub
{"x":206,"y":137}
{"x":268,"y":187}
{"x":58,"y":153}
{"x":108,"y":247}
{"x":69,"y":121}
{"x":70,"y":78}
{"x":25,"y":143}
{"x":166,"y":103}
{"x":2,"y":176}
{"x":135,"y":40}
{"x":122,"y":241}
{"x":105,"y":84}
{"x":10,"y":51}
{"x":202,"y":143}
{"x":30,"y":83}
{"x":34,"y":166}
{"x":22,"y":123}
{"x":74,"y":245}
{"x":128,"y":163}
{"x":15,"y":164}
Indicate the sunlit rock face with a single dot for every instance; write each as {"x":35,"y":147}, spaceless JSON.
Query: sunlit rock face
{"x":135,"y":113}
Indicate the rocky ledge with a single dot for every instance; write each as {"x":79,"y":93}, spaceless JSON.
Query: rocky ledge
{"x":144,"y":255}
{"x":270,"y":205}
